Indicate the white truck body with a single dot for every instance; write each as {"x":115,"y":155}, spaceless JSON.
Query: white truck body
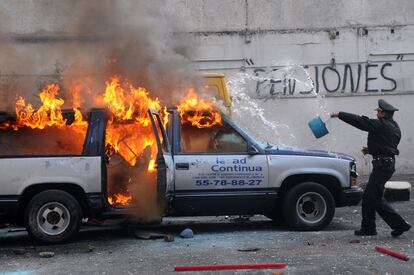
{"x":22,"y":172}
{"x":302,"y":187}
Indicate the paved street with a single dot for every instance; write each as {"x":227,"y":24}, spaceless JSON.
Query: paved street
{"x":217,"y":240}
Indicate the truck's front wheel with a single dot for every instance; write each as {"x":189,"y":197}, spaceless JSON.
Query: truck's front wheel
{"x":308,"y":206}
{"x":53,"y":216}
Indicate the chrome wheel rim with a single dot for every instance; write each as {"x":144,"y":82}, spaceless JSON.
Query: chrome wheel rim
{"x":311,"y":207}
{"x":53,"y":218}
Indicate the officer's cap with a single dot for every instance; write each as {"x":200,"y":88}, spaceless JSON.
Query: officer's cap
{"x":385,"y":106}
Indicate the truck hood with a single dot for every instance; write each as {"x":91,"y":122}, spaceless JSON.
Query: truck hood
{"x":281,"y":150}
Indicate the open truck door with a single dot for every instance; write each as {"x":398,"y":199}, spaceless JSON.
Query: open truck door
{"x":164,"y":161}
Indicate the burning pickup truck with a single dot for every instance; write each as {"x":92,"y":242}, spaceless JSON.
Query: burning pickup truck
{"x":138,"y":164}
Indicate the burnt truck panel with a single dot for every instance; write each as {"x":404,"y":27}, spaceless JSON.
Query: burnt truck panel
{"x":34,"y":188}
{"x":94,"y":144}
{"x":24,"y":176}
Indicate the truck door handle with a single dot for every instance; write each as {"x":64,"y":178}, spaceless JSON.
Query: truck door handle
{"x":182,"y":166}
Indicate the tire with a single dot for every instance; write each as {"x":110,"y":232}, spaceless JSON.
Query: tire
{"x":53,"y":216}
{"x":308,"y":206}
{"x":277,"y":215}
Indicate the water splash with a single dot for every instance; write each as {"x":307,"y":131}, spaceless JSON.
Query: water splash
{"x":247,"y":101}
{"x":248,"y":113}
{"x":306,"y":83}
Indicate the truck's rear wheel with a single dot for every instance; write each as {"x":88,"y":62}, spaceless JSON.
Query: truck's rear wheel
{"x":53,"y":216}
{"x":308,"y":206}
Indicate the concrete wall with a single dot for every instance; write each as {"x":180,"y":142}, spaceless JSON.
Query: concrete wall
{"x":352,"y":53}
{"x":237,"y":15}
{"x":293,"y":58}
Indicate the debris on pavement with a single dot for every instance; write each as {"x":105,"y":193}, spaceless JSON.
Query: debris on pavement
{"x":242,"y":219}
{"x":19,"y":251}
{"x":229,"y":267}
{"x":391,"y":253}
{"x":46,"y":254}
{"x":250,"y":249}
{"x":355,"y":241}
{"x":187,"y":233}
{"x":168,"y":238}
{"x":91,"y":222}
{"x":146,"y":235}
{"x":91,"y":248}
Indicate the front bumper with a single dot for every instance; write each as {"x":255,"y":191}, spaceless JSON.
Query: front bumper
{"x":351,"y":196}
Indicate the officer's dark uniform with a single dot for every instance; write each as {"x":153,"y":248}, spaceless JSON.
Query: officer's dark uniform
{"x":383,"y":138}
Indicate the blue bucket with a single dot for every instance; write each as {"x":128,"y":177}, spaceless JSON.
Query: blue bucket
{"x":318,"y":127}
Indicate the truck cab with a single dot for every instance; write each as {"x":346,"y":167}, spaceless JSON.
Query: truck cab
{"x":222,"y":170}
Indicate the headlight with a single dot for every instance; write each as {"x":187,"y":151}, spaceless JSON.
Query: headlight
{"x":353,"y":174}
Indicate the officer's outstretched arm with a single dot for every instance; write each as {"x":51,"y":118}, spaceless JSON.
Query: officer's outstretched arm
{"x":361,"y":122}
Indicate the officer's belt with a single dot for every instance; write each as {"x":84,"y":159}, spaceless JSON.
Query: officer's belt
{"x":383,"y":158}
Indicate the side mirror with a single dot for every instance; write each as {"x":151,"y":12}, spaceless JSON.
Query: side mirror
{"x":251,"y":150}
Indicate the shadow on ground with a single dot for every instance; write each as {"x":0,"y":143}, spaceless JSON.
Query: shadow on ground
{"x":18,"y":237}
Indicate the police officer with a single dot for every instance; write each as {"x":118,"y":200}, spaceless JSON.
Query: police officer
{"x":383,"y":137}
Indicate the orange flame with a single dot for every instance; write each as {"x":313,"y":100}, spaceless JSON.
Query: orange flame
{"x":127,"y":102}
{"x":151,"y":166}
{"x":119,"y":199}
{"x":47,"y":115}
{"x":129,"y":132}
{"x":77,"y":102}
{"x":198,"y":112}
